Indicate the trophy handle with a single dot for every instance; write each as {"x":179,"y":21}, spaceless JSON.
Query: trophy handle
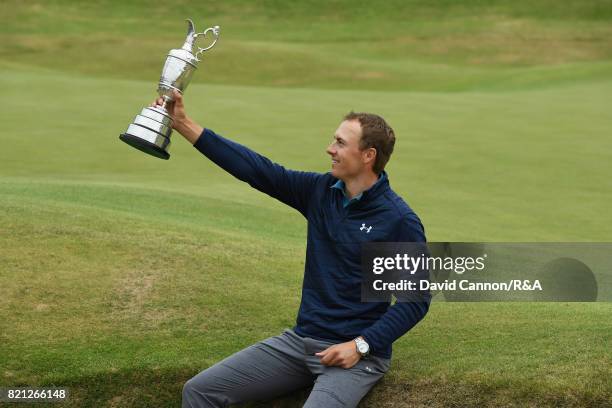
{"x":215,"y":31}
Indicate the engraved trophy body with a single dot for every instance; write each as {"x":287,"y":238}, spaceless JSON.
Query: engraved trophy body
{"x":151,"y":129}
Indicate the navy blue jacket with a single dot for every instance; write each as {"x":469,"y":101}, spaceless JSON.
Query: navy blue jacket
{"x":331,"y":307}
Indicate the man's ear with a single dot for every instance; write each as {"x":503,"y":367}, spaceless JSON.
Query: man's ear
{"x":369,"y":155}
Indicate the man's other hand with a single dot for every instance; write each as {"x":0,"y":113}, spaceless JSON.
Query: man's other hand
{"x":343,"y":355}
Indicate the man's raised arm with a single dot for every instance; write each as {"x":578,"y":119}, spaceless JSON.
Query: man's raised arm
{"x":291,"y":187}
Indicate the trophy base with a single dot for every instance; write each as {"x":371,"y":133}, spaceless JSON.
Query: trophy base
{"x":144,"y":146}
{"x":150,"y":132}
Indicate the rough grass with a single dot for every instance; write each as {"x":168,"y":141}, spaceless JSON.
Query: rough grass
{"x":123,"y":306}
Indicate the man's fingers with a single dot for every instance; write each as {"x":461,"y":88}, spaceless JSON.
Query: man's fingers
{"x":334,"y":360}
{"x":329,"y":355}
{"x":327,"y":359}
{"x":178,"y":98}
{"x":157,"y":102}
{"x":323,"y":352}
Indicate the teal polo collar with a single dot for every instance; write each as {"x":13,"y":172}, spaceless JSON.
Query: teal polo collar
{"x":345,"y":200}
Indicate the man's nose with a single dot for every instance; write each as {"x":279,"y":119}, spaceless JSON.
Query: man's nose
{"x":330,"y":150}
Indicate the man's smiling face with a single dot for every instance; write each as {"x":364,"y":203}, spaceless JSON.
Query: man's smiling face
{"x":347,"y":157}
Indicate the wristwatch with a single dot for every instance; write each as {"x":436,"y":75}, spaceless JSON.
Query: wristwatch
{"x":363,"y":347}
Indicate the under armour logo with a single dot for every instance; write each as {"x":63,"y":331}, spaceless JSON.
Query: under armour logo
{"x":367,"y":229}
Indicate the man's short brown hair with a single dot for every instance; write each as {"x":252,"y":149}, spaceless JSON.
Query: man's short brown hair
{"x":375,"y":133}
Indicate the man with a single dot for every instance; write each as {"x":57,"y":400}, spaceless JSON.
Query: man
{"x":340,"y":345}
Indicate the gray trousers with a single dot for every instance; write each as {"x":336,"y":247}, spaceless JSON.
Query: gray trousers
{"x":279,"y":365}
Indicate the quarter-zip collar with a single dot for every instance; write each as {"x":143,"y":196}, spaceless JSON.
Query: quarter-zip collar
{"x":381,"y":184}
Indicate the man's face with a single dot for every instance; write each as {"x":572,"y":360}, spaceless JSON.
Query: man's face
{"x":347,"y":158}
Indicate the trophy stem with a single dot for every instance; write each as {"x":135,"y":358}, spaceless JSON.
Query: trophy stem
{"x":166,"y":102}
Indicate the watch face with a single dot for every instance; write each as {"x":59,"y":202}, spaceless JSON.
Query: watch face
{"x":363,"y":348}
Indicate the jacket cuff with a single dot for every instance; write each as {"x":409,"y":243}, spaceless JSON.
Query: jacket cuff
{"x":205,"y":136}
{"x":370,"y":338}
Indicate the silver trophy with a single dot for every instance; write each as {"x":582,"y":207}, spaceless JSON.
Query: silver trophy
{"x":151,"y":129}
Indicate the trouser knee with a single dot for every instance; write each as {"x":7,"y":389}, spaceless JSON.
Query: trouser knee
{"x":197,"y":393}
{"x":188,"y":387}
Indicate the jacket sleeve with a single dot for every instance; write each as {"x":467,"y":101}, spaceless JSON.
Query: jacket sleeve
{"x":291,"y":187}
{"x":404,"y":314}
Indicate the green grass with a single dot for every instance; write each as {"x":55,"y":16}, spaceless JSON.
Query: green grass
{"x":121,"y":275}
{"x":391,"y":45}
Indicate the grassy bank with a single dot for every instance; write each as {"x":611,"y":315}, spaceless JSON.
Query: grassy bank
{"x":121,"y":275}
